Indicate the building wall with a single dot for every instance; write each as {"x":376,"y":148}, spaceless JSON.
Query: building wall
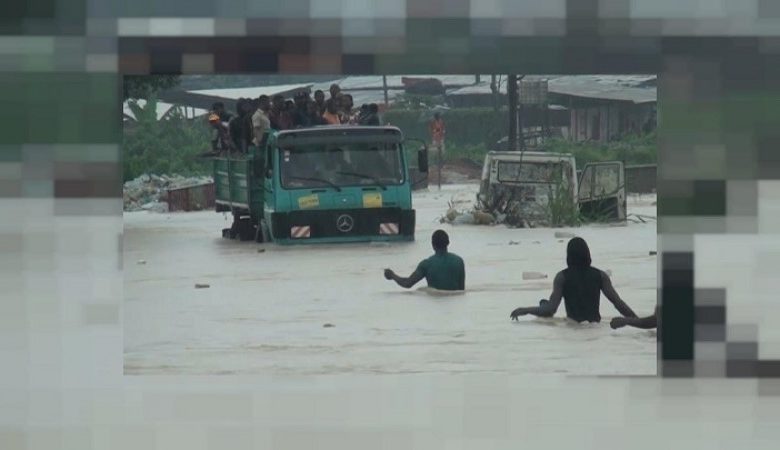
{"x":641,"y":179}
{"x":608,"y":121}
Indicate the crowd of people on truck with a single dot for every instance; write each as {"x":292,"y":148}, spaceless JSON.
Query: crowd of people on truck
{"x":256,"y":116}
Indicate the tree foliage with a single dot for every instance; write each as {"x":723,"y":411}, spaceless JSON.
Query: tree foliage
{"x":169,"y":146}
{"x":471,"y":132}
{"x":144,"y":86}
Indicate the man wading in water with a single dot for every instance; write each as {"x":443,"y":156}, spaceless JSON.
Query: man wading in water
{"x":580,"y":286}
{"x":444,"y":271}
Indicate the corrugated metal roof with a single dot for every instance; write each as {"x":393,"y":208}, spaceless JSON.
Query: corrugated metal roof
{"x":368,"y":88}
{"x":629,"y":88}
{"x":632,"y":88}
{"x":368,"y":97}
{"x":393,"y":81}
{"x":251,"y":92}
{"x":163,"y":109}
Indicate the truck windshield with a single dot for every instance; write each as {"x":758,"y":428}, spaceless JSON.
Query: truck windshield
{"x":310,"y":166}
{"x":528,"y":172}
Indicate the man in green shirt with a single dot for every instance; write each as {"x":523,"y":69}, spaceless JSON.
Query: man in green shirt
{"x":444,"y":271}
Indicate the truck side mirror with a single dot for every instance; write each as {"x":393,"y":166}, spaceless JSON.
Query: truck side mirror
{"x":422,"y":160}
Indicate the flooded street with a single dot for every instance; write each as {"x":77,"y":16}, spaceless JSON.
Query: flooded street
{"x":266,"y":312}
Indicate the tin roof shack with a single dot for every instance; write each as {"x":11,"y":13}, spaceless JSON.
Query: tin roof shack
{"x":371,"y":88}
{"x":605,"y":107}
{"x":204,"y":98}
{"x":596,"y":107}
{"x":364,"y":89}
{"x":538,"y":116}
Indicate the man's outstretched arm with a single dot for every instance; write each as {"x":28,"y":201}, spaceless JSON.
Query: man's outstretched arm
{"x":545,"y":308}
{"x":408,"y":282}
{"x":612,"y":295}
{"x":636,"y":322}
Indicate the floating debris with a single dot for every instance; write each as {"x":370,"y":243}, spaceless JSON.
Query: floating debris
{"x":328,"y":325}
{"x":514,"y":243}
{"x":149,"y":192}
{"x":483,"y":218}
{"x":260,"y":250}
{"x":653,"y":253}
{"x":141,"y":261}
{"x":472,"y":217}
{"x":534,"y":276}
{"x":201,"y":286}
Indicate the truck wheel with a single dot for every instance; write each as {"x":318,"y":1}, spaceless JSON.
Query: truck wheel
{"x":246,"y":232}
{"x":235,"y":228}
{"x":264,"y":232}
{"x":261,"y":233}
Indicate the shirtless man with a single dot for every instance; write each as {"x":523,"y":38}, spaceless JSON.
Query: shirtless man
{"x":580,"y":286}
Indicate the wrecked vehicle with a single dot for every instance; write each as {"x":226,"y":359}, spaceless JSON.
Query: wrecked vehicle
{"x":542,"y":189}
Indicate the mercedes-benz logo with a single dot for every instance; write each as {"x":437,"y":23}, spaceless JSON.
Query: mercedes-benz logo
{"x":345,"y":223}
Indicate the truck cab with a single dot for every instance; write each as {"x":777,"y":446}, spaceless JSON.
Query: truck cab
{"x":527,"y":182}
{"x":320,"y":185}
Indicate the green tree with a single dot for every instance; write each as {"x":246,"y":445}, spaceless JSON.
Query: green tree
{"x":143,"y":86}
{"x":168,"y":146}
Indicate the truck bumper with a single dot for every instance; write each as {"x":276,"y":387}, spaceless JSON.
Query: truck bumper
{"x":375,"y":224}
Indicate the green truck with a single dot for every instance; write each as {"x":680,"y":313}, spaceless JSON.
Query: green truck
{"x":322,"y":184}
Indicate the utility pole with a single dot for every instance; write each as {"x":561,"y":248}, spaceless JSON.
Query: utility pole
{"x":511,"y":91}
{"x":520,"y":134}
{"x":384,"y":87}
{"x":494,"y":91}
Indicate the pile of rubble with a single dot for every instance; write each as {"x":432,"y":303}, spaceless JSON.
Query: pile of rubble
{"x":148,"y":192}
{"x":473,"y":217}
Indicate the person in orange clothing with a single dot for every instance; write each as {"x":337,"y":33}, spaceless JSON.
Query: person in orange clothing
{"x":437,"y":129}
{"x":331,"y":115}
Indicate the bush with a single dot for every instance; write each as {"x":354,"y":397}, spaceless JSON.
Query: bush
{"x":467,"y":127}
{"x":635,"y":149}
{"x":472,"y":132}
{"x":562,"y":209}
{"x":168,"y":146}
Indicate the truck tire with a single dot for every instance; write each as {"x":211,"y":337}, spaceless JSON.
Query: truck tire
{"x":259,"y":233}
{"x":235,"y":227}
{"x":263,"y":231}
{"x":246,"y":232}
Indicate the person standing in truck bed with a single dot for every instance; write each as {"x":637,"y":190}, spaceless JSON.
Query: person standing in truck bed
{"x":260,"y":121}
{"x":580,"y":287}
{"x":331,"y":116}
{"x":373,"y":115}
{"x":444,"y":271}
{"x":319,"y":100}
